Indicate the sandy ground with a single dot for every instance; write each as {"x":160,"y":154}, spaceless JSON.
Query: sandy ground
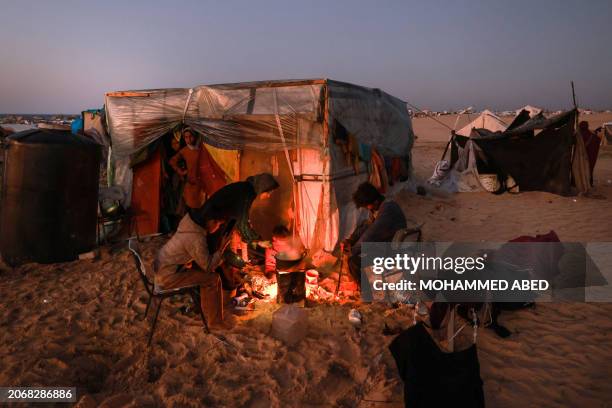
{"x":80,"y":324}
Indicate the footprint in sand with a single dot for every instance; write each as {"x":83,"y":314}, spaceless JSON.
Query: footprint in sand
{"x":84,"y":297}
{"x":173,"y":348}
{"x":335,"y":385}
{"x":117,"y":319}
{"x":89,"y":372}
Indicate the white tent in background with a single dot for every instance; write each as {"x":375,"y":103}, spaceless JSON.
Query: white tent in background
{"x":486,"y":120}
{"x":533,"y":110}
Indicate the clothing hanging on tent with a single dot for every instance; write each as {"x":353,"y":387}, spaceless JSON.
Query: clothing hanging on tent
{"x":591,"y":145}
{"x":395,"y":169}
{"x":581,"y":172}
{"x":212,"y":176}
{"x":378,"y":172}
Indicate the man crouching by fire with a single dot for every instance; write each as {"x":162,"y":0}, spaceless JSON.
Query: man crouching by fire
{"x":385,"y":219}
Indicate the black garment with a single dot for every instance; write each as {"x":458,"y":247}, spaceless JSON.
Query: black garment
{"x":233,"y":202}
{"x":536,"y":163}
{"x":433,"y":378}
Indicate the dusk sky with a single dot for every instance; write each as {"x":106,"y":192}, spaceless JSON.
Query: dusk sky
{"x":62,"y":56}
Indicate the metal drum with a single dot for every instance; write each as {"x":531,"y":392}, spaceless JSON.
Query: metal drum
{"x":49,"y":199}
{"x":291,"y":286}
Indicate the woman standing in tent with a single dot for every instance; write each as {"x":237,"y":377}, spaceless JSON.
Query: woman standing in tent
{"x":186,"y":164}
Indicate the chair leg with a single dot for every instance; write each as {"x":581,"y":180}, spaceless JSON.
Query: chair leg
{"x":195,"y":296}
{"x":148,"y":306}
{"x":155,"y":321}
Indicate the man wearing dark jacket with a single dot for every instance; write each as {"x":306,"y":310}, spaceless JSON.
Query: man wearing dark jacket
{"x":234,"y":202}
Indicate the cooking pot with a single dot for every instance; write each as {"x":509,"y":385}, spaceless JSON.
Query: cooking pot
{"x":288,"y":259}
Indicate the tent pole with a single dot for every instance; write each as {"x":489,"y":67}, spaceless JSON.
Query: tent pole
{"x":576,"y":142}
{"x":466,"y":110}
{"x":325,"y":116}
{"x":576,"y":109}
{"x":577,"y":112}
{"x":327,"y":168}
{"x":448,"y":144}
{"x":437,"y":121}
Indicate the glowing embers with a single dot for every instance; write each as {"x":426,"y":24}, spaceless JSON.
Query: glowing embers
{"x":268,"y":287}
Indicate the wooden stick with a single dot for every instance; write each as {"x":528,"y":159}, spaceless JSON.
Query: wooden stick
{"x":122,"y":94}
{"x":341,"y":268}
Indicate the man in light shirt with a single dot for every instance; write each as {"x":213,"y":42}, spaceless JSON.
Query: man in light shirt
{"x":186,"y":261}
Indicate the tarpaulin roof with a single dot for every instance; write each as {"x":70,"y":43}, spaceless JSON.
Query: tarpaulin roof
{"x":264,"y":115}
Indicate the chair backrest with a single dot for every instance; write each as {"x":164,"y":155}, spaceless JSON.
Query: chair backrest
{"x":412,"y":233}
{"x":134,"y":248}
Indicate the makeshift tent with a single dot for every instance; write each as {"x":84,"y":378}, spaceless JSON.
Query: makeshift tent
{"x":294,"y":129}
{"x":486,"y":120}
{"x":451,"y":181}
{"x":533,"y":154}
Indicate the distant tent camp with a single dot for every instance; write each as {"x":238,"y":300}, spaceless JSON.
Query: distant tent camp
{"x":315,"y":136}
{"x":532,"y":154}
{"x":486,"y":120}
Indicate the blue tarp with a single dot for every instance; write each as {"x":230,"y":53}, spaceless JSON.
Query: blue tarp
{"x":77,"y":125}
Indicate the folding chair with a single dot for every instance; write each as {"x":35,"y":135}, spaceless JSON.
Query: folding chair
{"x":411,"y":240}
{"x":159,"y":293}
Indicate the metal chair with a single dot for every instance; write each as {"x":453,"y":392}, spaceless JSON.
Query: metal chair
{"x":159,"y":293}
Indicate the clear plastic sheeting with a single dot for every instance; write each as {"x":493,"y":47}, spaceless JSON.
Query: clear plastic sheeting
{"x":266,"y":116}
{"x":260,"y":116}
{"x":137,"y":118}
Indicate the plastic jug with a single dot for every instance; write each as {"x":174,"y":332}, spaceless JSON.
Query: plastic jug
{"x":290,"y":324}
